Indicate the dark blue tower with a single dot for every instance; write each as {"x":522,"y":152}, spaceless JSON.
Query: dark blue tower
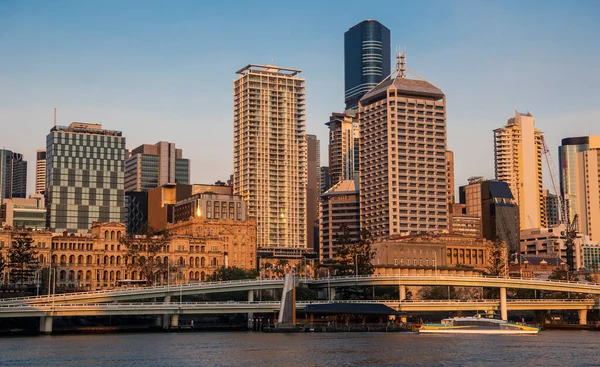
{"x":366,"y":59}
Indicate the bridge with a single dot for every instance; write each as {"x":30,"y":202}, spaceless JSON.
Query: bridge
{"x":110,"y":302}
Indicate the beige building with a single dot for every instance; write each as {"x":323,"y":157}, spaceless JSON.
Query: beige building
{"x":343,"y":146}
{"x":432,"y":251}
{"x":98,"y":260}
{"x":450,"y":176}
{"x":579,"y":161}
{"x":28,"y":213}
{"x":403,"y":177}
{"x":40,"y":172}
{"x":269,"y":152}
{"x":518,"y":162}
{"x":339,"y":207}
{"x":552,"y":242}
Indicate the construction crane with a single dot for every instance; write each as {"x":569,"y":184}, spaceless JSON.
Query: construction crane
{"x":563,"y":214}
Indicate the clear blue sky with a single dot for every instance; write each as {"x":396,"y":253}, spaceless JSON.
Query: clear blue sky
{"x":163,"y":70}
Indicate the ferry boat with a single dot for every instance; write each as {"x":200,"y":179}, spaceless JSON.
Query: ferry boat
{"x":478,"y":325}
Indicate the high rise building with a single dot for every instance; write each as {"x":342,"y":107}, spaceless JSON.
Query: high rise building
{"x":366,"y":59}
{"x":13,"y":175}
{"x":403,"y":183}
{"x":325,"y":179}
{"x":40,"y":172}
{"x":313,"y":191}
{"x":150,"y":166}
{"x":551,"y":208}
{"x":493,"y":202}
{"x":343,"y":146}
{"x":579,"y":161}
{"x":85,"y":176}
{"x":450,"y":176}
{"x":518,"y":162}
{"x":339,"y":208}
{"x":270,"y":154}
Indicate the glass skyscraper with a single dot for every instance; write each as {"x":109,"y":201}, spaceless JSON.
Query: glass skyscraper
{"x":366,"y":59}
{"x":85,"y":176}
{"x":13,"y":175}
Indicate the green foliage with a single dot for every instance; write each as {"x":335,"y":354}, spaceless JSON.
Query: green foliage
{"x":303,"y":293}
{"x":497,"y":260}
{"x":142,"y":252}
{"x":22,"y":259}
{"x":436,"y":292}
{"x":232,"y":273}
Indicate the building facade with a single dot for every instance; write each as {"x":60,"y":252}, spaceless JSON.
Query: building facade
{"x":493,"y":202}
{"x":518,"y":162}
{"x":28,"y":213}
{"x":270,"y":154}
{"x":450,"y":176}
{"x":85,"y":177}
{"x":150,"y":166}
{"x":13,"y":175}
{"x":136,"y":212}
{"x":551,"y":208}
{"x":551,"y":242}
{"x":313,"y":191}
{"x":403,"y":178}
{"x":366,"y":59}
{"x":339,"y":207}
{"x":325,"y":179}
{"x":40,"y":172}
{"x":343,"y":146}
{"x":579,"y":162}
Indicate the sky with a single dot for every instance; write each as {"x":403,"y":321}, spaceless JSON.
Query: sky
{"x":164,"y":70}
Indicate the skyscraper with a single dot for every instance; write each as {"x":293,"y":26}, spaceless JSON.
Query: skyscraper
{"x":40,"y":171}
{"x":85,"y":178}
{"x":13,"y":175}
{"x":450,"y":176}
{"x":518,"y":162}
{"x":150,"y":166}
{"x":403,"y":183}
{"x":313,"y":191}
{"x":579,"y":161}
{"x":366,"y":59}
{"x":343,"y":146}
{"x":270,"y":154}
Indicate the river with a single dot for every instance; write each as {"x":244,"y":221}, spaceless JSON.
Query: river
{"x":549,"y":348}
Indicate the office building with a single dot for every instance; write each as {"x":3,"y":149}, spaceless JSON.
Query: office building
{"x":551,"y":208}
{"x":150,"y":166}
{"x":551,"y":242}
{"x":313,"y":191}
{"x":270,"y":154}
{"x":136,"y":212}
{"x":85,"y":176}
{"x":403,"y":179}
{"x":325,"y":179}
{"x":518,"y":162}
{"x":493,"y":202}
{"x":40,"y":172}
{"x":579,"y":161}
{"x":339,"y":208}
{"x":366,"y":59}
{"x":28,"y":213}
{"x":450,"y":176}
{"x":343,"y":146}
{"x":13,"y":175}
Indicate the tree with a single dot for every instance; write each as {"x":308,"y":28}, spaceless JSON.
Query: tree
{"x":2,"y":266}
{"x":22,"y":258}
{"x":496,"y":264}
{"x":232,"y":273}
{"x":142,"y":251}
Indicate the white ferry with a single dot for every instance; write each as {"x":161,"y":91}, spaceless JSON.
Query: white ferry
{"x":478,"y":325}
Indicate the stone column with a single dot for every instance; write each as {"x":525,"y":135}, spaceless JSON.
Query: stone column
{"x":167,"y":299}
{"x":250,"y":314}
{"x":46,"y":325}
{"x":582,"y":317}
{"x":503,"y":310}
{"x":175,"y":320}
{"x":402,"y":290}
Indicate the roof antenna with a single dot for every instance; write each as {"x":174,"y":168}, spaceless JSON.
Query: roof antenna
{"x":402,"y":62}
{"x":55,"y":116}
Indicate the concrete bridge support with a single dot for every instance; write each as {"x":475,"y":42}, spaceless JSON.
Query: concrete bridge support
{"x":250,"y":314}
{"x":582,"y":317}
{"x":175,"y":320}
{"x":46,"y":325}
{"x":167,"y":299}
{"x":402,"y":292}
{"x":331,"y":293}
{"x":503,"y":308}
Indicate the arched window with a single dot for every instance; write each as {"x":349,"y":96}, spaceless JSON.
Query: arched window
{"x":41,"y":259}
{"x":89,"y":260}
{"x":166,"y":260}
{"x":105,"y":260}
{"x":118,"y":235}
{"x":181,"y":261}
{"x":197,"y":262}
{"x":79,"y":275}
{"x":71,"y":275}
{"x":63,"y":275}
{"x":118,"y":274}
{"x":105,"y":275}
{"x":214,"y":261}
{"x":191,"y":261}
{"x":203,"y":261}
{"x":191,"y":275}
{"x":197,"y":275}
{"x":63,"y":259}
{"x":112,"y":276}
{"x":202,"y":276}
{"x":112,"y":235}
{"x":88,"y":275}
{"x":118,"y":260}
{"x":112,"y":260}
{"x":80,"y":259}
{"x":106,"y":235}
{"x":54,"y":259}
{"x":72,"y":259}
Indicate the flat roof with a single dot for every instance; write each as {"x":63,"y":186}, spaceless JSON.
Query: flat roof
{"x":269,"y":68}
